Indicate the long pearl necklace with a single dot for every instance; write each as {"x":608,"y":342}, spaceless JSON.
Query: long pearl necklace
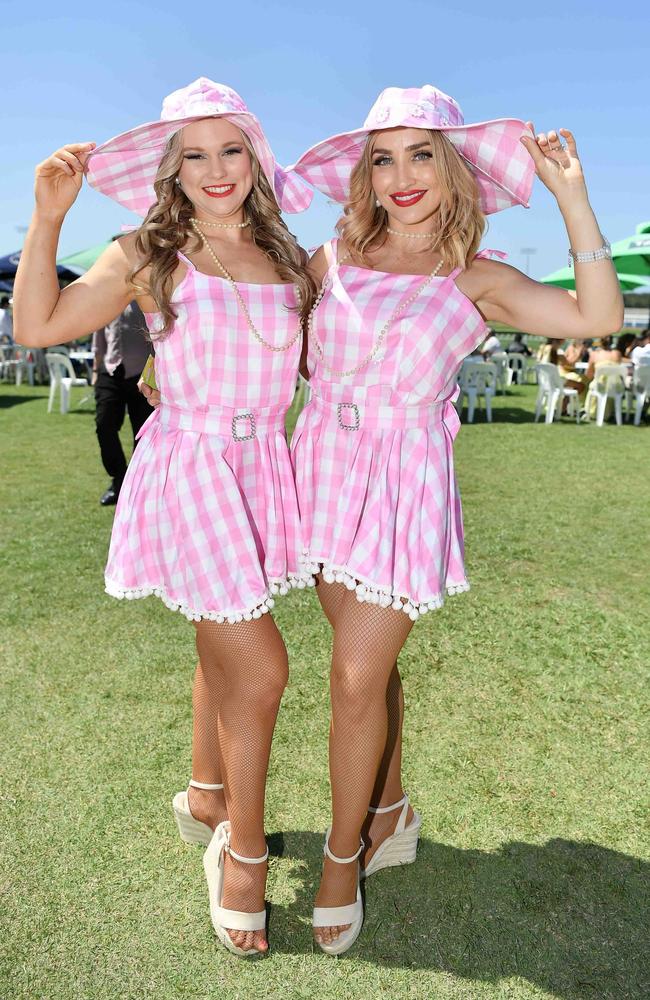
{"x":222,"y":225}
{"x":242,"y":304}
{"x":384,"y":330}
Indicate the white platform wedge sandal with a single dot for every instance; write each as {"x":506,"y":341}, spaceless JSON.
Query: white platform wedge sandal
{"x":224,"y":920}
{"x":192,"y":831}
{"x":336,"y":916}
{"x":401,"y":847}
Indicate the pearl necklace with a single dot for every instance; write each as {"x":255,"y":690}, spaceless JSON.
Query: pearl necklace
{"x":222,"y":225}
{"x":401,"y":306}
{"x":411,"y":236}
{"x":242,"y":304}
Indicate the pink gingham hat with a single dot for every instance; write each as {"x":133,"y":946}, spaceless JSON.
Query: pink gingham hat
{"x":502,"y":166}
{"x":124,"y":168}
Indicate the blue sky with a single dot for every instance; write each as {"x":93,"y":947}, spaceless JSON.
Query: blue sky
{"x":309,"y":71}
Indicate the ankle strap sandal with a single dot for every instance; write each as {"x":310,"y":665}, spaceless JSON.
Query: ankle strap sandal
{"x":223,"y":919}
{"x":335,"y":916}
{"x":192,"y":831}
{"x":401,"y":847}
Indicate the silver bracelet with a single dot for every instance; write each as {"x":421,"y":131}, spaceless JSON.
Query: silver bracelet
{"x":589,"y":256}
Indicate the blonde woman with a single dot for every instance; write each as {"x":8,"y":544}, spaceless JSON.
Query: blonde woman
{"x":404,"y":298}
{"x":207,"y":517}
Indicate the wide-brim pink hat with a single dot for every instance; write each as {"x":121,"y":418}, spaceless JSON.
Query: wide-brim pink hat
{"x":125,"y":167}
{"x":502,"y":166}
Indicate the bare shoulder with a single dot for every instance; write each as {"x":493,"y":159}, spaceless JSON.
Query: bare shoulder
{"x":483,"y":277}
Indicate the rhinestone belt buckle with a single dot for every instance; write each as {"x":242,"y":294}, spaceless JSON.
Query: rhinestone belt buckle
{"x":355,"y":412}
{"x":244,"y":437}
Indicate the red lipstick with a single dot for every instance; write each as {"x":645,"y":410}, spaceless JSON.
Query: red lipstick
{"x":404,"y":199}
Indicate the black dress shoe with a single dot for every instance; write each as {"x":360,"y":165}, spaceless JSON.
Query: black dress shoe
{"x":109,"y":498}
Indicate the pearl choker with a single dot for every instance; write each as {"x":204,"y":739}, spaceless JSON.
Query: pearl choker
{"x":222,"y":225}
{"x":410,"y":236}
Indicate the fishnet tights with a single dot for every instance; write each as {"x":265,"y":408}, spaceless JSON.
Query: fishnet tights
{"x":253,"y":661}
{"x":367,"y":640}
{"x":207,"y":805}
{"x":388,"y":786}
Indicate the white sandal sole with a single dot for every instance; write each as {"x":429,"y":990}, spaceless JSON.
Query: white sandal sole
{"x":398,"y":849}
{"x":234,"y":919}
{"x":192,"y":831}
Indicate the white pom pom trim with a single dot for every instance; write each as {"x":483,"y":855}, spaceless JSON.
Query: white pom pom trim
{"x":368,"y":592}
{"x":305,"y":578}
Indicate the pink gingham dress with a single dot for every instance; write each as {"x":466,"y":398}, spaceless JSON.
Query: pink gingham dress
{"x":373,"y":451}
{"x":207,"y":517}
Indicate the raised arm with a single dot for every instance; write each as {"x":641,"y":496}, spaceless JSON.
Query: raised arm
{"x":596,"y":307}
{"x":43,"y":314}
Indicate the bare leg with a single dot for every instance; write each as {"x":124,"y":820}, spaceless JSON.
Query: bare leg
{"x":253,"y":659}
{"x":388,"y":786}
{"x":367,"y":640}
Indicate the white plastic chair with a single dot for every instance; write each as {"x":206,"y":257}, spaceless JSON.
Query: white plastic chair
{"x":475,"y":379}
{"x":517,"y":365}
{"x":8,"y":361}
{"x":639,"y":391}
{"x":551,"y":392}
{"x":25,"y":364}
{"x":530,"y":369}
{"x":63,"y":377}
{"x":504,"y":372}
{"x":608,"y":383}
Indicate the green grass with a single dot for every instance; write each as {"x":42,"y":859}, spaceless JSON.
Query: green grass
{"x":524,"y":745}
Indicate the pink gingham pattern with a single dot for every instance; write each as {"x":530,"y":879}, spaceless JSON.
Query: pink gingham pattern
{"x":207,"y":517}
{"x":378,"y":497}
{"x":124,"y":168}
{"x":503,"y":168}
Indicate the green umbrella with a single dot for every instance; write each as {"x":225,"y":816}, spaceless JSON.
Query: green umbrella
{"x":84,"y":258}
{"x":632,"y":255}
{"x":565,"y":278}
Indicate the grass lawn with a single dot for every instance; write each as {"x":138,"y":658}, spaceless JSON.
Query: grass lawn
{"x":525,"y":745}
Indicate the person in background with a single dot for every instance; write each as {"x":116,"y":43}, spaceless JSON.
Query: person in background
{"x":549,"y":353}
{"x":518,"y":346}
{"x":624,"y":343}
{"x":121,"y":352}
{"x":491,"y":345}
{"x":602,"y":353}
{"x":6,"y":323}
{"x":640,"y":354}
{"x":566,"y":362}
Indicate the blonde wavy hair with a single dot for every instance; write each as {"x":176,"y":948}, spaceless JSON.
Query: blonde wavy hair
{"x":459,"y":221}
{"x":167,"y":229}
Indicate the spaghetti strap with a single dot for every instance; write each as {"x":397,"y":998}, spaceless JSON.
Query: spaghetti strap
{"x":487,"y":253}
{"x":454,"y":274}
{"x":331,"y":248}
{"x":186,"y":260}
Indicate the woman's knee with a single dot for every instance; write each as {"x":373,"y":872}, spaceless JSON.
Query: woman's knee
{"x":356,"y":687}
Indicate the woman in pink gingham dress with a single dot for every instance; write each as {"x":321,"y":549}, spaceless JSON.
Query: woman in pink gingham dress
{"x":404,"y":299}
{"x":373,"y":450}
{"x":207,"y":516}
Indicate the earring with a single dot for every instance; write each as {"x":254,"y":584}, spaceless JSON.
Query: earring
{"x":177,"y":181}
{"x":377,"y":202}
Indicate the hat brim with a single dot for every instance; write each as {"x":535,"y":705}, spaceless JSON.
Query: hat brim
{"x":503,"y":168}
{"x":124,"y":168}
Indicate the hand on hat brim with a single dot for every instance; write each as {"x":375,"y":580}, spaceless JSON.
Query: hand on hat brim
{"x":557,"y":166}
